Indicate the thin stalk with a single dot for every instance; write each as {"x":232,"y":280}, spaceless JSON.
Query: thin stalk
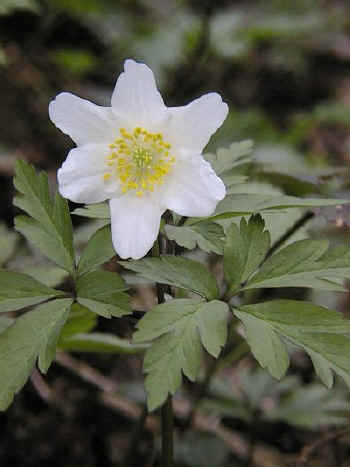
{"x":167,"y":433}
{"x":279,"y":242}
{"x":135,"y":438}
{"x":291,"y":231}
{"x":238,"y":352}
{"x":161,"y":246}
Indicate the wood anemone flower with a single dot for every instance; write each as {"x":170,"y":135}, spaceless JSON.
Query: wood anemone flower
{"x":140,"y":155}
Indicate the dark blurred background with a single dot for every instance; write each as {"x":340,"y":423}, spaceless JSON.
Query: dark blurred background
{"x":283,"y":66}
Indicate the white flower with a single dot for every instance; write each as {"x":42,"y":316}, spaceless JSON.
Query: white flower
{"x":140,"y":155}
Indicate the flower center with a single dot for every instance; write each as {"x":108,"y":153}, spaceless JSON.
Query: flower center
{"x":139,"y":160}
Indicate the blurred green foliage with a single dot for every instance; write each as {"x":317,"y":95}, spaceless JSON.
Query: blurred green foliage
{"x":264,"y":57}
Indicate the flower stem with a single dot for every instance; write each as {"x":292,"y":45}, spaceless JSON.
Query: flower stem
{"x":279,"y":242}
{"x":291,"y":231}
{"x":133,"y":447}
{"x":167,"y":433}
{"x":238,"y":352}
{"x":160,"y":247}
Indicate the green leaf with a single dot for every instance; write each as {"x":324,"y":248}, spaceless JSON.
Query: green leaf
{"x":5,"y":323}
{"x":299,"y":316}
{"x":257,"y":384}
{"x":180,"y":327}
{"x":8,"y":241}
{"x":236,"y":155}
{"x":265,"y":344}
{"x":305,"y":263}
{"x":320,"y":332}
{"x":322,"y":368}
{"x":34,"y":197}
{"x":201,"y":449}
{"x":80,"y":7}
{"x":19,"y":290}
{"x":277,"y":222}
{"x":8,"y":6}
{"x":231,"y":180}
{"x":232,"y":164}
{"x":49,"y":225}
{"x":313,"y":406}
{"x":100,"y":343}
{"x":80,"y":320}
{"x":309,"y":406}
{"x":293,"y":184}
{"x":94,"y":211}
{"x":222,"y":402}
{"x":3,"y":56}
{"x":176,"y":271}
{"x":103,"y":293}
{"x":239,"y":204}
{"x":78,"y":62}
{"x":50,"y":275}
{"x":207,"y":235}
{"x":33,"y":335}
{"x":98,"y":250}
{"x":42,"y":240}
{"x":245,"y":249}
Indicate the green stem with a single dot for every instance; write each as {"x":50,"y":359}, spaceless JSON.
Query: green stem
{"x":135,"y":439}
{"x":167,"y":433}
{"x":238,"y":352}
{"x":161,"y":246}
{"x":279,"y":242}
{"x":291,"y":231}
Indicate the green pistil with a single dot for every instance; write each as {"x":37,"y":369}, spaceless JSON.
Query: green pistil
{"x":142,"y":157}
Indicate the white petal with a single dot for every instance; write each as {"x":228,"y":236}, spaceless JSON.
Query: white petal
{"x":80,"y":178}
{"x":136,"y":96}
{"x":194,"y":189}
{"x":135,"y":225}
{"x":190,"y":127}
{"x":82,"y":120}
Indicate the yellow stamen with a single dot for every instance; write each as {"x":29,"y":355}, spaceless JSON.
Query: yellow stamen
{"x":140,"y":159}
